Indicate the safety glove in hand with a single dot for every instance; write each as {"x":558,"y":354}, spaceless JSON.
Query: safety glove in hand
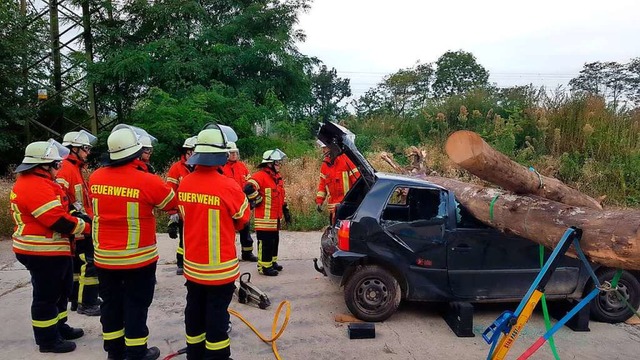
{"x":172,"y":229}
{"x":287,"y":214}
{"x":319,"y":208}
{"x":81,"y":215}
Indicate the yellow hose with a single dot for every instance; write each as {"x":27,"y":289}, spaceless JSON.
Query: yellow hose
{"x":274,"y":335}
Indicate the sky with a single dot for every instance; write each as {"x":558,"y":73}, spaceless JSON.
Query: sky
{"x":542,"y":42}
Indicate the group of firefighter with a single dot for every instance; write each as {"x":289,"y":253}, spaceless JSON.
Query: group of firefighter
{"x":93,"y":242}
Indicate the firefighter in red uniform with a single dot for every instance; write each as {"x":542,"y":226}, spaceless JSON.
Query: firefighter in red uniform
{"x":265,"y":190}
{"x":211,"y":214}
{"x":124,"y":234}
{"x":237,"y":170}
{"x":176,"y":173}
{"x":40,"y":210}
{"x":337,"y":176}
{"x":84,"y":297}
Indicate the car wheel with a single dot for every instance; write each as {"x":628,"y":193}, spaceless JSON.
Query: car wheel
{"x":607,"y":307}
{"x":372,"y":293}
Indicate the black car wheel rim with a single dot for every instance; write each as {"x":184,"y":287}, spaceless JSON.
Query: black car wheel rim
{"x":371,"y":294}
{"x":609,"y":302}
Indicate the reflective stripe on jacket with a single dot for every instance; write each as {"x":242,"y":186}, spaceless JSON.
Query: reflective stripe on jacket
{"x":37,"y":203}
{"x":211,"y":214}
{"x":269,"y":186}
{"x":336,"y":179}
{"x":124,"y":226}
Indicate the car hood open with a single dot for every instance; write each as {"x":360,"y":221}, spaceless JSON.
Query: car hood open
{"x":340,"y":139}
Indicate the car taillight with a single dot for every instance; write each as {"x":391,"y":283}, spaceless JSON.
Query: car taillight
{"x":343,"y":235}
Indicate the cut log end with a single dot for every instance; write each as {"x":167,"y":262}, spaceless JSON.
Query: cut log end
{"x":463,"y":145}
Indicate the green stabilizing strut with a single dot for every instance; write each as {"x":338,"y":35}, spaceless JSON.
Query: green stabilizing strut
{"x":545,"y":311}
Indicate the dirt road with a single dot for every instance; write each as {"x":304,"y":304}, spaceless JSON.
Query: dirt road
{"x":417,"y":331}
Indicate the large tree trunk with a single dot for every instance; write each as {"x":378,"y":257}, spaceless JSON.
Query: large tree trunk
{"x":610,"y":237}
{"x":468,"y":150}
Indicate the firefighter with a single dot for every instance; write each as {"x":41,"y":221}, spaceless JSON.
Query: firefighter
{"x":237,"y":170}
{"x":84,"y":297}
{"x":211,"y":214}
{"x":177,"y":171}
{"x":41,"y":242}
{"x":147,"y":149}
{"x":124,"y":196}
{"x":337,"y":176}
{"x":265,"y":190}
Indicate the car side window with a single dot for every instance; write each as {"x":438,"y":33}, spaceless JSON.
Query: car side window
{"x":464,"y":219}
{"x":414,"y":204}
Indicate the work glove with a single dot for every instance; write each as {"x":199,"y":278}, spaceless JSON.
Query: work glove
{"x":253,"y":203}
{"x":319,"y":208}
{"x":81,"y":215}
{"x":172,"y":229}
{"x":174,"y":218}
{"x":287,"y":214}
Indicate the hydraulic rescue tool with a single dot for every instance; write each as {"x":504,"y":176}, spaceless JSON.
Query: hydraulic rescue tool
{"x":504,"y":331}
{"x":249,"y":292}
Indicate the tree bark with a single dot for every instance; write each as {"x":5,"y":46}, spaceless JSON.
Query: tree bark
{"x":610,"y":237}
{"x":468,"y":150}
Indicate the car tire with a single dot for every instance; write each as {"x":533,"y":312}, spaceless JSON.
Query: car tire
{"x":607,"y":307}
{"x":372,"y":293}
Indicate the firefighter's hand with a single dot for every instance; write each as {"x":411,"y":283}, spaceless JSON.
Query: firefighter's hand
{"x":173,"y":230}
{"x":174,"y":218}
{"x":287,"y":214}
{"x":82,"y":216}
{"x":319,"y":208}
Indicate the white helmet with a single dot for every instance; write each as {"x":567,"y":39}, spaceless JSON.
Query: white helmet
{"x":148,"y":140}
{"x":211,"y":148}
{"x":270,"y":156}
{"x":42,"y":152}
{"x":320,"y":143}
{"x":79,"y":138}
{"x":231,"y":146}
{"x":124,"y":142}
{"x":190,"y":142}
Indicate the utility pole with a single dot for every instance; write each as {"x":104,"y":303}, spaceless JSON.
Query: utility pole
{"x":54,"y":26}
{"x":88,"y":49}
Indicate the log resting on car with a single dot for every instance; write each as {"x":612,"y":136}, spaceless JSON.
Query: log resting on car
{"x":610,"y":237}
{"x":469,"y":151}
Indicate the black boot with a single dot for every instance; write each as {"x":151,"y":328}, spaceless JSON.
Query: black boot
{"x":152,"y":354}
{"x":59,"y":347}
{"x":277,"y":266}
{"x":248,"y":256}
{"x":268,"y":271}
{"x":179,"y":271}
{"x":74,"y":306}
{"x":69,"y":333}
{"x":89,"y":310}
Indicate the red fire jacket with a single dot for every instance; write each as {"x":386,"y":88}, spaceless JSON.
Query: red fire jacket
{"x":336,"y":178}
{"x":37,"y":204}
{"x":268,"y":186}
{"x":124,"y":226}
{"x":236,"y":170}
{"x":211,"y":214}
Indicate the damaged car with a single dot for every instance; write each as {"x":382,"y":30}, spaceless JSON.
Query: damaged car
{"x":398,"y":238}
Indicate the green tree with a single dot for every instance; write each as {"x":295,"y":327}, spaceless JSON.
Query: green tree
{"x":399,"y":94}
{"x":21,"y":44}
{"x":458,"y":72}
{"x":327,"y":91}
{"x":178,"y":45}
{"x":611,"y":80}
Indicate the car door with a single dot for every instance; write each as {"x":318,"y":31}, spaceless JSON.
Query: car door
{"x":485,"y":263}
{"x":416,"y":219}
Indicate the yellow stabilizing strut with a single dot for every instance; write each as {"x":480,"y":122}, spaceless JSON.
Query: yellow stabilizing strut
{"x":274,"y":334}
{"x":509,"y":339}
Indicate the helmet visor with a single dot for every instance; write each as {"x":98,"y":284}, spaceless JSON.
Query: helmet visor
{"x":55,"y":151}
{"x":228,"y":132}
{"x":85,"y":138}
